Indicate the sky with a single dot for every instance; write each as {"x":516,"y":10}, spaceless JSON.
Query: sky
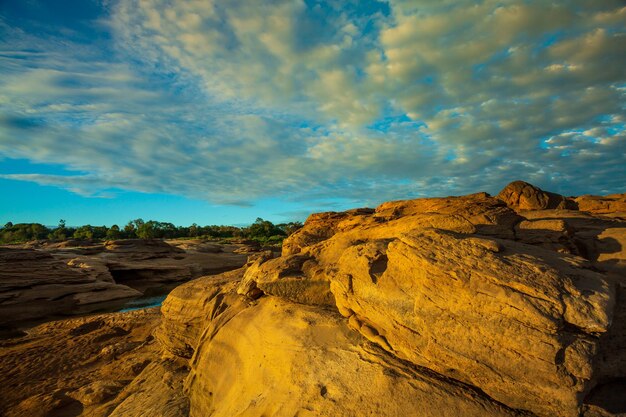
{"x":219,"y":112}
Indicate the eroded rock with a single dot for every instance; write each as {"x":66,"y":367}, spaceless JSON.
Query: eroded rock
{"x":286,"y":359}
{"x":521,"y":196}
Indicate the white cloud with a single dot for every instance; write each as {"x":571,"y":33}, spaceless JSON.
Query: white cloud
{"x":234,"y":100}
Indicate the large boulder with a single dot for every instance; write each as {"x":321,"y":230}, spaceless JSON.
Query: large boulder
{"x":189,"y":307}
{"x":520,"y":195}
{"x":278,"y":358}
{"x":460,"y":286}
{"x":516,"y":321}
{"x":461,"y":290}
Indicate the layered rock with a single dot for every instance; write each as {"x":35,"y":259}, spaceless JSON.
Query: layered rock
{"x":521,"y":195}
{"x":41,"y":282}
{"x":85,"y":366}
{"x":151,"y":264}
{"x":35,"y":284}
{"x":520,"y":323}
{"x":461,"y":291}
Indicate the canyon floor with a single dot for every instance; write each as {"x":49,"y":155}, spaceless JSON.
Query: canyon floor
{"x":513,"y":305}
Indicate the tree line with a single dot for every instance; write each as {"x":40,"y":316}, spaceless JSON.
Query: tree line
{"x":261,"y":230}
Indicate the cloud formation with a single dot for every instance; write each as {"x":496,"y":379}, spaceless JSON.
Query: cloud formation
{"x":231,"y":101}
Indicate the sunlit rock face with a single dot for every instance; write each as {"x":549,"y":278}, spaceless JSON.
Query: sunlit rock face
{"x":521,"y":195}
{"x":448,"y":306}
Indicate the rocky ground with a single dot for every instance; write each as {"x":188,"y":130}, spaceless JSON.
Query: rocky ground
{"x":463,"y":306}
{"x":43,"y":281}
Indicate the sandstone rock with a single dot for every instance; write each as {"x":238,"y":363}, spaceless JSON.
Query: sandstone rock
{"x":520,"y":195}
{"x":283,"y":359}
{"x":608,"y":205}
{"x":190,"y":306}
{"x":509,"y":304}
{"x":553,"y":379}
{"x":58,"y":369}
{"x":35,"y":284}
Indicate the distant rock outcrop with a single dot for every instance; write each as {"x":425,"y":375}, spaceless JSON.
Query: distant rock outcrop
{"x":45,"y":282}
{"x":35,"y":284}
{"x":520,"y":195}
{"x":611,"y":205}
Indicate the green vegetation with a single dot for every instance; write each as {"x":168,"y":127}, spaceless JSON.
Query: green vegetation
{"x":262,"y":231}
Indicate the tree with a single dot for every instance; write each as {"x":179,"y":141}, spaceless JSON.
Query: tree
{"x":23,"y":232}
{"x":84,"y":232}
{"x":114,"y":233}
{"x":99,"y":232}
{"x":264,"y":229}
{"x":130,"y":231}
{"x":60,"y":233}
{"x":290,"y":228}
{"x":146,"y":230}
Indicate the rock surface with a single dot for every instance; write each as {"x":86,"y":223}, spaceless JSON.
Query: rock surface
{"x":48,"y":281}
{"x":77,"y":366}
{"x":521,"y":195}
{"x":457,"y":306}
{"x":611,"y":205}
{"x":528,"y":318}
{"x":35,"y":284}
{"x":286,"y":359}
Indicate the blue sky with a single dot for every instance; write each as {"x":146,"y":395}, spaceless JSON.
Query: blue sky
{"x":221,"y":112}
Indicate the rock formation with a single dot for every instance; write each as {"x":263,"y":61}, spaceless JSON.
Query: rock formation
{"x":84,"y":366}
{"x":77,"y":277}
{"x":35,"y":284}
{"x":457,"y":306}
{"x":521,"y":195}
